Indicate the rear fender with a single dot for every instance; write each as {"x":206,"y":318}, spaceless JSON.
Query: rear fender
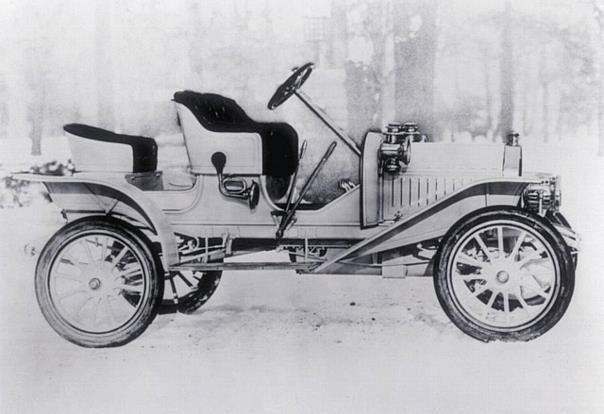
{"x":112,"y":196}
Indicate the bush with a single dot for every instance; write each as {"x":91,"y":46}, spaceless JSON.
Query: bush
{"x":17,"y":193}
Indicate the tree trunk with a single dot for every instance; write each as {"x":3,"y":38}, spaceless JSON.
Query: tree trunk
{"x":545,"y":111}
{"x":526,"y":120}
{"x":506,"y":114}
{"x":360,"y":101}
{"x":600,"y":50}
{"x":543,"y":75}
{"x":195,"y":42}
{"x":487,"y":91}
{"x":337,"y":51}
{"x":36,"y":120}
{"x":104,"y":71}
{"x":414,"y":58}
{"x":37,"y":79}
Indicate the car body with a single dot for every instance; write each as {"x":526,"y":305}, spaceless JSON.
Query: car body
{"x":491,"y":235}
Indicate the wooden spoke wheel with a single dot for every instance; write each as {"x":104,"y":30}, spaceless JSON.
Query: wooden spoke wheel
{"x":504,"y":274}
{"x":97,"y":283}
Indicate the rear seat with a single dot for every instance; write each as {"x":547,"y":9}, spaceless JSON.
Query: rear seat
{"x":140,"y":157}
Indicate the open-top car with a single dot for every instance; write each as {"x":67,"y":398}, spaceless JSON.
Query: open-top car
{"x":501,"y":254}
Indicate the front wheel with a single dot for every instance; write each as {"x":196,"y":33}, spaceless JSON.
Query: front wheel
{"x":97,"y":283}
{"x":504,"y":274}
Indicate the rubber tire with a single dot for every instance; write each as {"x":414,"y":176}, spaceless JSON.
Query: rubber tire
{"x":134,"y":327}
{"x":195,"y":299}
{"x":561,"y":220}
{"x":548,"y":232}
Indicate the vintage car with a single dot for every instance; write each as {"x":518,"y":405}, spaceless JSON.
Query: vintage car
{"x":501,"y":255}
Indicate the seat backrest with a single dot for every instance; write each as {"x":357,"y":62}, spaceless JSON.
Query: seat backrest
{"x":242,"y":149}
{"x":225,"y":126}
{"x":97,"y":149}
{"x":216,"y":112}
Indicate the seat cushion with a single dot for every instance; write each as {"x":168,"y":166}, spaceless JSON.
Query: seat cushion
{"x":217,"y":113}
{"x":144,"y":149}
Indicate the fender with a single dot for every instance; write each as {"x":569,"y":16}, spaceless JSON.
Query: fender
{"x":84,"y":195}
{"x":435,"y":220}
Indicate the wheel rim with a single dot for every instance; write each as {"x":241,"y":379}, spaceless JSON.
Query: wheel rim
{"x":503,"y":276}
{"x":98,"y":282}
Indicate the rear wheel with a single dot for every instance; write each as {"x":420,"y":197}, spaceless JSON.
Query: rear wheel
{"x":504,"y":274}
{"x":97,"y":283}
{"x":193,"y":289}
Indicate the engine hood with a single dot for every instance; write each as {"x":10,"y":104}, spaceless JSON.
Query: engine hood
{"x":445,"y":158}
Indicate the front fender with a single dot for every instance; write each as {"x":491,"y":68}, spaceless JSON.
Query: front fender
{"x":81,"y":195}
{"x":437,"y":218}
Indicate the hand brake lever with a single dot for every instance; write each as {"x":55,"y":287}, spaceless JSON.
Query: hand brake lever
{"x":289,"y":214}
{"x":290,"y":194}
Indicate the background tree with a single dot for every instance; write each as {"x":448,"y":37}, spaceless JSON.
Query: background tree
{"x":415,"y":34}
{"x":506,"y":116}
{"x":598,"y":8}
{"x":366,"y":78}
{"x":103,"y":63}
{"x":466,"y":70}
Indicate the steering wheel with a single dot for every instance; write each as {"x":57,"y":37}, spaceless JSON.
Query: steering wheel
{"x":291,"y":85}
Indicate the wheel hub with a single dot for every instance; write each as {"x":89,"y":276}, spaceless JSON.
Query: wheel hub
{"x":94,"y":283}
{"x":502,"y":276}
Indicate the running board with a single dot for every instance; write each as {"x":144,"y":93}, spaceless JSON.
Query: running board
{"x":244,"y":266}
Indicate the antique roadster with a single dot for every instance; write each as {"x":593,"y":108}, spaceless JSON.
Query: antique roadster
{"x":501,"y":255}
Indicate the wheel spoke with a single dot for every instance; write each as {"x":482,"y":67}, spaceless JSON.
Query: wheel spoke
{"x":104,"y":249}
{"x":545,"y":273}
{"x":465,"y":259}
{"x":74,"y":278}
{"x":95,"y":312}
{"x":471,"y":276}
{"x":517,"y":246}
{"x":84,"y":244}
{"x":130,"y":272}
{"x":108,"y":311}
{"x":484,"y":247}
{"x":481,"y":288}
{"x":117,"y":310}
{"x":540,"y":292}
{"x":489,"y":304}
{"x":492,"y":299}
{"x":500,"y":246}
{"x":75,"y":262}
{"x":131,"y":288}
{"x":184,"y":279}
{"x":81,"y":307}
{"x":523,"y":305}
{"x":125,"y":304}
{"x":535,"y":260}
{"x":529,"y":281}
{"x":69,"y":293}
{"x":506,"y":302}
{"x":120,"y":256}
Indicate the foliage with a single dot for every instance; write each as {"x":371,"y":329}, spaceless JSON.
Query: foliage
{"x":17,"y":193}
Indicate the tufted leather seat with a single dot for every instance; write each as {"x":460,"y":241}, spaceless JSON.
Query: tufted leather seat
{"x":220,"y":114}
{"x":144,"y":149}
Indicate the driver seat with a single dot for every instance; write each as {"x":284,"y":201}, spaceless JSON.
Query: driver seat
{"x":220,"y":114}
